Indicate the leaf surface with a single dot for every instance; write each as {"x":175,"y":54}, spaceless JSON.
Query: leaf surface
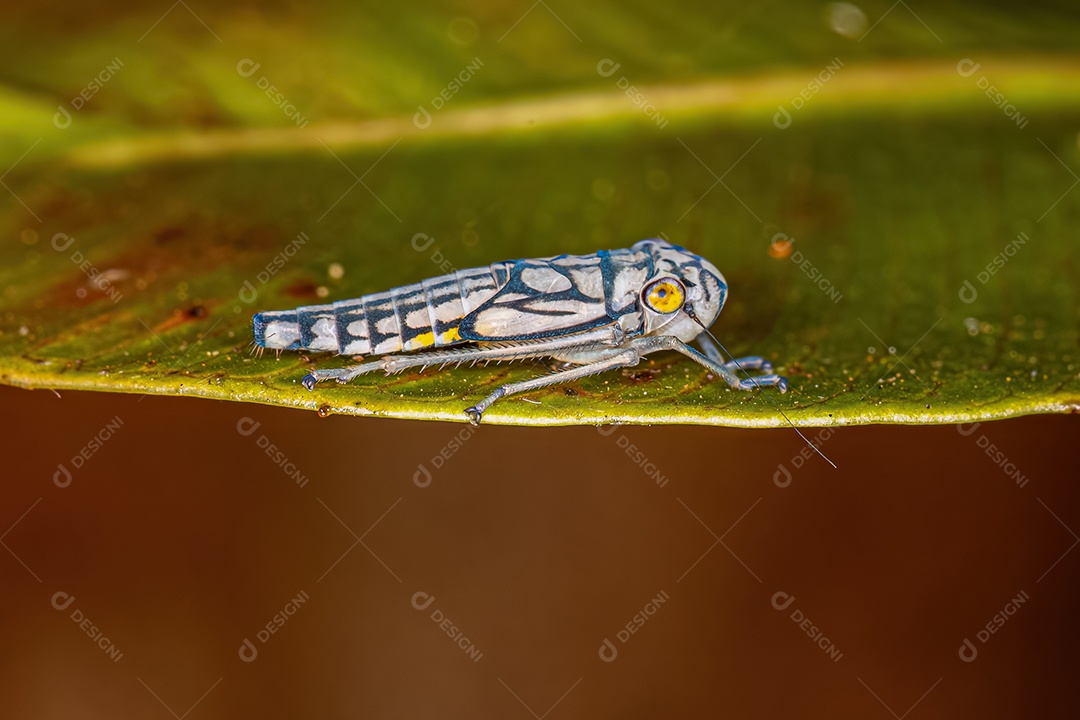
{"x":903,"y":248}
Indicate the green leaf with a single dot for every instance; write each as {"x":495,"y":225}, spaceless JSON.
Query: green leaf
{"x":851,"y":239}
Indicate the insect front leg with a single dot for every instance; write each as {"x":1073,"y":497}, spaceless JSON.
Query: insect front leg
{"x":653,"y":344}
{"x":624,"y":357}
{"x":709,"y":348}
{"x":750,"y":362}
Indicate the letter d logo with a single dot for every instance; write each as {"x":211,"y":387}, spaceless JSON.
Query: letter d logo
{"x":422,"y":118}
{"x":248,"y":652}
{"x":421,"y":241}
{"x":422,"y":476}
{"x":62,"y":118}
{"x":62,"y":600}
{"x":608,"y":652}
{"x":968,"y":651}
{"x":782,"y":118}
{"x":967,"y":67}
{"x":781,"y":242}
{"x":422,"y":600}
{"x":245,"y":426}
{"x":61,"y":242}
{"x":248,"y":293}
{"x":968,"y":293}
{"x":967,"y":428}
{"x":781,"y":472}
{"x":782,"y":600}
{"x":607,"y":68}
{"x":62,"y":477}
{"x":247,"y":68}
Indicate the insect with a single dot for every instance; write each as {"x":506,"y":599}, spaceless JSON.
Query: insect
{"x":594,"y":312}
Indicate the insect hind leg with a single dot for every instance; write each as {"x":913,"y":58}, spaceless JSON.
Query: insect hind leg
{"x":456,"y":356}
{"x":342,"y":375}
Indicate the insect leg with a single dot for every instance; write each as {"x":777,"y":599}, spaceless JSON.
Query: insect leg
{"x":726,"y":371}
{"x":605,"y":337}
{"x":709,"y":348}
{"x":341,"y":374}
{"x":623,"y":358}
{"x":396,"y":363}
{"x":750,"y":362}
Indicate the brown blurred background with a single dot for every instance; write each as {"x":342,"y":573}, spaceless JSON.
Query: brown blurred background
{"x":179,"y":538}
{"x":158,"y":562}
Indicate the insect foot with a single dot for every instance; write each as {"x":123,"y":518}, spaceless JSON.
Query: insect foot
{"x":764,"y":381}
{"x":474,"y":415}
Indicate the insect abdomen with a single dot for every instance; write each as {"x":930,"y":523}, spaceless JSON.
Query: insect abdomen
{"x":406,"y":318}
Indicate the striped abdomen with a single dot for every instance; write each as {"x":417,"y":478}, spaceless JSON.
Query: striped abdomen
{"x":406,"y":318}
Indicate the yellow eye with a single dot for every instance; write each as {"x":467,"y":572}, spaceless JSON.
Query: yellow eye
{"x":664,"y":296}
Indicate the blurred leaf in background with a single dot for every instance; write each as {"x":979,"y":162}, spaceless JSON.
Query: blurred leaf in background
{"x":890,"y":194}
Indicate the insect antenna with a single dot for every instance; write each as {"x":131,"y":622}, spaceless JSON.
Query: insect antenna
{"x":693,"y":316}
